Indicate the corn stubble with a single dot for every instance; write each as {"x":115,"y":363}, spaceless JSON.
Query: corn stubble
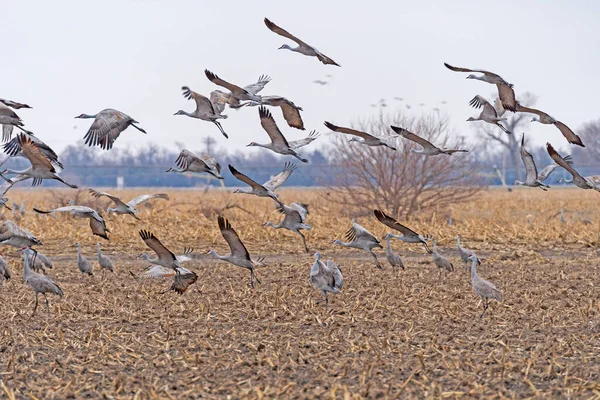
{"x":385,"y":335}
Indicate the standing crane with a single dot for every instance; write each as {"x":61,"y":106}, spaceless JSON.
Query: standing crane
{"x":104,"y":261}
{"x":393,"y":257}
{"x":484,"y":289}
{"x":85,"y":267}
{"x":39,"y":283}
{"x":440,"y":261}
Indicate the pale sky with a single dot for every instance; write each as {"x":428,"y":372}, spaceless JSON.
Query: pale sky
{"x":65,"y":58}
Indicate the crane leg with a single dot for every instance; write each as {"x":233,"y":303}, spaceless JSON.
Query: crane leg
{"x":326,"y":301}
{"x":376,"y":260}
{"x":35,"y":306}
{"x":303,"y":241}
{"x":485,"y":307}
{"x":47,"y":304}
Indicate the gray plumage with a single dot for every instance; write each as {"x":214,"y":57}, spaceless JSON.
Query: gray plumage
{"x":440,"y":261}
{"x":549,"y":169}
{"x":239,"y":255}
{"x":427,"y":148}
{"x":327,"y":277}
{"x":107,"y":127}
{"x":12,"y":234}
{"x":531,"y":173}
{"x":291,"y":112}
{"x":39,"y":283}
{"x":577,"y":179}
{"x":464,"y":253}
{"x":85,"y":267}
{"x":205,"y":109}
{"x":129,"y":207}
{"x":484,"y":289}
{"x":97,"y":223}
{"x":360,"y":238}
{"x":4,"y":270}
{"x":393,"y":257}
{"x":365,"y":138}
{"x":276,"y":181}
{"x":408,"y":235}
{"x":104,"y":261}
{"x":41,"y":262}
{"x":488,"y":113}
{"x":189,"y":162}
{"x":279,"y":143}
{"x":255,"y":188}
{"x":294,"y":220}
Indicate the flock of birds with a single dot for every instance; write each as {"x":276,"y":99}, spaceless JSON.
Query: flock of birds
{"x":327,"y":276}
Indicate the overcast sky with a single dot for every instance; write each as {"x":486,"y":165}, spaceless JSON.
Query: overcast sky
{"x":70,"y":57}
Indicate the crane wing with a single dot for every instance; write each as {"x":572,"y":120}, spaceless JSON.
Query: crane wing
{"x":281,"y":177}
{"x":259,"y":85}
{"x":145,"y":197}
{"x":269,"y":125}
{"x":569,"y":134}
{"x":203,"y":104}
{"x":562,"y":162}
{"x":238,"y":175}
{"x":283,"y":32}
{"x":153,"y":243}
{"x":392,"y":223}
{"x":34,"y":154}
{"x":235,"y":89}
{"x":115,"y":199}
{"x":233,"y":240}
{"x":296,"y":144}
{"x":506,"y":94}
{"x":530,"y":168}
{"x":348,"y":131}
{"x":413,"y":137}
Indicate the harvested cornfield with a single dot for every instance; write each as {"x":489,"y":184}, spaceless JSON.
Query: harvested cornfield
{"x":415,"y":333}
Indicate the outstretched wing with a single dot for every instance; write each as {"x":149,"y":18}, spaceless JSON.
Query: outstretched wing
{"x":296,"y":144}
{"x":230,"y":86}
{"x":413,"y":137}
{"x":562,"y":162}
{"x":392,"y":223}
{"x":259,"y":85}
{"x":233,"y":240}
{"x":115,"y":199}
{"x":348,"y":131}
{"x":283,"y":32}
{"x":153,"y":243}
{"x":270,"y":126}
{"x":145,"y":197}
{"x":253,"y":184}
{"x":530,"y":168}
{"x":281,"y":177}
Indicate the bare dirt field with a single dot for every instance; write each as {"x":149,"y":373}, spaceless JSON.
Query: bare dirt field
{"x":414,"y":334}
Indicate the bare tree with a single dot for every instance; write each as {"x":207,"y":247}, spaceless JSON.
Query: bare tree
{"x":590,"y":135}
{"x":493,"y":137}
{"x":400,"y":181}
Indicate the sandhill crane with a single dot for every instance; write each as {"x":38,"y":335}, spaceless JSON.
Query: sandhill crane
{"x":302,"y":48}
{"x":327,"y":277}
{"x":291,"y":112}
{"x":205,"y":109}
{"x":104,"y":262}
{"x":8,"y":120}
{"x":484,"y":289}
{"x":41,"y":166}
{"x":578,"y":180}
{"x":295,"y":219}
{"x":531,"y":173}
{"x":428,"y":149}
{"x":366,"y":139}
{"x":505,"y":89}
{"x":97,"y":224}
{"x":320,"y":82}
{"x":279,"y":143}
{"x":440,"y":261}
{"x":360,"y":238}
{"x":129,"y":207}
{"x":488,"y":114}
{"x":239,"y":254}
{"x":408,"y":235}
{"x":296,"y":144}
{"x":164,"y":256}
{"x":107,"y":126}
{"x":544,"y":118}
{"x":41,"y":262}
{"x":256,"y":188}
{"x":12,"y":234}
{"x":14,"y":104}
{"x":464,"y":253}
{"x":4,"y":270}
{"x":238,"y":93}
{"x":85,"y":267}
{"x":13,"y":149}
{"x":548,"y":169}
{"x":189,"y":162}
{"x":393,"y":257}
{"x":181,"y":280}
{"x":275,"y":181}
{"x":39,"y":283}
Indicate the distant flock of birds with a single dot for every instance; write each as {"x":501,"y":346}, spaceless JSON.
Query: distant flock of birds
{"x":325,"y":275}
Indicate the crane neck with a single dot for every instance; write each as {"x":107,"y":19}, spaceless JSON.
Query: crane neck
{"x":474,"y":275}
{"x":26,"y":267}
